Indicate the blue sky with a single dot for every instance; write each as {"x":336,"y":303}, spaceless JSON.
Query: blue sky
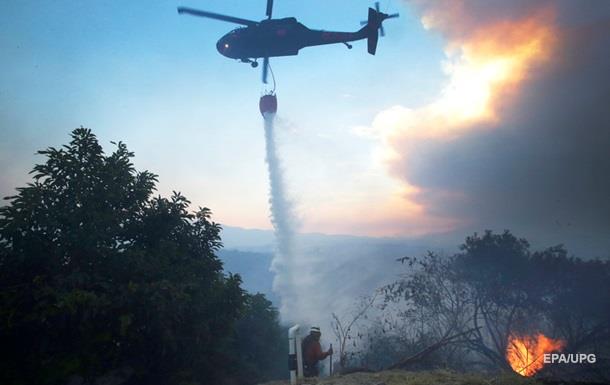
{"x":140,"y":73}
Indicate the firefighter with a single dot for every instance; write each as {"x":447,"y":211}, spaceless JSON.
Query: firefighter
{"x":312,"y":352}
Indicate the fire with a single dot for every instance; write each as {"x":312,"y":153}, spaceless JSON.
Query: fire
{"x":525,"y":353}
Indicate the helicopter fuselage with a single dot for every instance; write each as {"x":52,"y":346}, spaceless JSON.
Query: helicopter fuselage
{"x":278,"y":37}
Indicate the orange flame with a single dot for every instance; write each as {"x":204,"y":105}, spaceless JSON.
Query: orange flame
{"x":525,"y":354}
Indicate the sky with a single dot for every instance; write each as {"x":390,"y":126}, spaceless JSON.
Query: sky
{"x":153,"y":79}
{"x":472,"y":115}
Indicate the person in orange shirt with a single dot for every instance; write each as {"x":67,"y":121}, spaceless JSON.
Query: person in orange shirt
{"x":312,"y":352}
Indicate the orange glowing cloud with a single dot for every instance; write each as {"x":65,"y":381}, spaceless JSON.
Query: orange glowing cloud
{"x":394,"y":215}
{"x":486,"y":64}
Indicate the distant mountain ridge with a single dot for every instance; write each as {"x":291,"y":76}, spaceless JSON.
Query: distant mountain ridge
{"x":253,"y":267}
{"x":347,"y":266}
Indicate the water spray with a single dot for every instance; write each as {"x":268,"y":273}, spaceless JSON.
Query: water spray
{"x":283,"y":217}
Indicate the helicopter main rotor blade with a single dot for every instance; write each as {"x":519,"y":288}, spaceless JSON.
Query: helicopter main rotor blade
{"x":265,"y":68}
{"x":269,"y":9}
{"x":217,"y":16}
{"x":392,"y":16}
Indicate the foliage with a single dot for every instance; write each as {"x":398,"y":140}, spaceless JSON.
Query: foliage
{"x":494,"y":287}
{"x":343,"y":327}
{"x":260,"y":343}
{"x":98,"y":275}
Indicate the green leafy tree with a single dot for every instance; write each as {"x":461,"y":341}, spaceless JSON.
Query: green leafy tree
{"x":260,"y":343}
{"x":97,"y":275}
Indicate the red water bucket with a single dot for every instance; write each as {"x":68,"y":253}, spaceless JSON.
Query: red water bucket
{"x":268,"y":104}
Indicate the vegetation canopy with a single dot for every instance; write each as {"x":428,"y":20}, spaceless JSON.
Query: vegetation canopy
{"x":100,"y":278}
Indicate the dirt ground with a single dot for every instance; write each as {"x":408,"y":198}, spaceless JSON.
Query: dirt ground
{"x":400,"y":377}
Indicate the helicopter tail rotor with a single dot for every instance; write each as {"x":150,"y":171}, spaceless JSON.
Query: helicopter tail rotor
{"x":375,"y":26}
{"x":373,"y":31}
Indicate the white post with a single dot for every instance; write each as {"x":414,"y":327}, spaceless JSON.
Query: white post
{"x":294,"y":353}
{"x":299,"y":357}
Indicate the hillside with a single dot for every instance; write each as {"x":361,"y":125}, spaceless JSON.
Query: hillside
{"x":253,"y":267}
{"x":400,"y":377}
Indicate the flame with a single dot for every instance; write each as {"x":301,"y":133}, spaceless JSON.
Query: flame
{"x":525,"y":353}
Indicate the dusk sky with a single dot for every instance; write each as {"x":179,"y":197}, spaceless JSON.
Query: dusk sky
{"x":140,"y":73}
{"x":461,"y":121}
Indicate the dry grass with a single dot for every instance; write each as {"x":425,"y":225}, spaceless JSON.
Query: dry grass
{"x":400,"y":377}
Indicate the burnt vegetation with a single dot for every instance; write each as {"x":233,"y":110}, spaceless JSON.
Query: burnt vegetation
{"x":458,"y":311}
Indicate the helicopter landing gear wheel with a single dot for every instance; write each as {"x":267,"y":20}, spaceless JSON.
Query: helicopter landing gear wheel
{"x":254,"y":64}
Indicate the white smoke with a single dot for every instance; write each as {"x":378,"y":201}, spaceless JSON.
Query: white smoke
{"x":284,"y":222}
{"x":316,"y":275}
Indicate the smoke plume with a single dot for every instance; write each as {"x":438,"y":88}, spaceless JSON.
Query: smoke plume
{"x":518,"y":138}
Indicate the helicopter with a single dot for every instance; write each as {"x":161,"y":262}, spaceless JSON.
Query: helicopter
{"x":285,"y":37}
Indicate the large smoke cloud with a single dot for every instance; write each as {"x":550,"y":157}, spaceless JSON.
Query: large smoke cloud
{"x":530,"y":151}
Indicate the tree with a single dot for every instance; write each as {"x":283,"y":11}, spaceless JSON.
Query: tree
{"x":577,"y":300}
{"x":343,"y":327}
{"x":496,"y":287}
{"x":260,"y":343}
{"x":504,"y":299}
{"x":97,"y":275}
{"x":429,"y":306}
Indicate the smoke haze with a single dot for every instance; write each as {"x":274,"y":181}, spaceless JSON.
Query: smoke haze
{"x":518,"y":139}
